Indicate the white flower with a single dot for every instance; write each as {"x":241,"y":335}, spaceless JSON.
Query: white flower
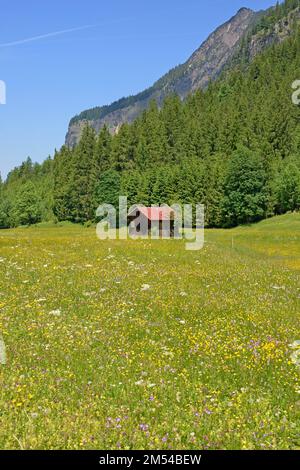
{"x":2,"y":352}
{"x":295,"y":356}
{"x":145,"y":287}
{"x":89,"y":294}
{"x":56,"y":313}
{"x":139,"y":382}
{"x":295,"y":344}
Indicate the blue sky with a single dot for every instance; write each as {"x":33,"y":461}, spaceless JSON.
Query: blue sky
{"x":115,"y":48}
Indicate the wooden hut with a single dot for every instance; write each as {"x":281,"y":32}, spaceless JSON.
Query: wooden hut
{"x":149,"y":220}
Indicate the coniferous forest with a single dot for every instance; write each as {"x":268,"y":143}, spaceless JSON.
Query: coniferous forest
{"x":234,"y":147}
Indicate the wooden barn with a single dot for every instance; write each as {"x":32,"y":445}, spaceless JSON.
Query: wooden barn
{"x":156,"y":220}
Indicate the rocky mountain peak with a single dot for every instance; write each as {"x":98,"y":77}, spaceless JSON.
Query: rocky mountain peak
{"x":205,"y":64}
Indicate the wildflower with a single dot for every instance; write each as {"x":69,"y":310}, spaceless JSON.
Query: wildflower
{"x":145,"y":287}
{"x":295,"y":356}
{"x":2,"y":352}
{"x":55,"y":313}
{"x":139,"y":382}
{"x":144,"y":427}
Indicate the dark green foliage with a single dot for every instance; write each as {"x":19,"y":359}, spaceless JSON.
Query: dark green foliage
{"x":27,"y":209}
{"x":245,"y":196}
{"x":4,"y":207}
{"x":288,"y":186}
{"x":275,"y":14}
{"x":62,"y":195}
{"x":107,"y":189}
{"x":15,"y":191}
{"x":83,"y":179}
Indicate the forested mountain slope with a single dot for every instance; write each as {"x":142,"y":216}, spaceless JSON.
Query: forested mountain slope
{"x":240,"y":39}
{"x":205,"y":64}
{"x":234,"y":147}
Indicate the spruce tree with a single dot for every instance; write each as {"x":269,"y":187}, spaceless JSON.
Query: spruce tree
{"x":83,"y":181}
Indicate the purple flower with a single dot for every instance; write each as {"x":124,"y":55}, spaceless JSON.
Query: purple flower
{"x":144,"y":427}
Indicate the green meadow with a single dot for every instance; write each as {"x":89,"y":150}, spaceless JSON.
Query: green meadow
{"x":144,"y":345}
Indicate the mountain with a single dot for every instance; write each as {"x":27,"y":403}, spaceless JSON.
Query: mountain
{"x":205,"y":64}
{"x":234,"y":147}
{"x":236,"y":42}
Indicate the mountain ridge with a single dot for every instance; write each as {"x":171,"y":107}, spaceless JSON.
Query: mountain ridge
{"x":233,"y":44}
{"x":204,"y":65}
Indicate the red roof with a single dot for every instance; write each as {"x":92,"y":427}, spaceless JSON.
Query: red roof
{"x":155,"y":213}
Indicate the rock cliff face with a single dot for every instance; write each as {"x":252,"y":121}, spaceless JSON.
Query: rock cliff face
{"x":277,"y":33}
{"x":204,"y":65}
{"x":236,"y":38}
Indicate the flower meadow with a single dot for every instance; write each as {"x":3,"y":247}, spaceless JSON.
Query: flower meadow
{"x":144,"y":345}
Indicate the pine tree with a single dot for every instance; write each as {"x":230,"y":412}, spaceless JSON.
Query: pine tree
{"x":82,"y":178}
{"x":102,"y":156}
{"x":108,"y":188}
{"x":62,"y":175}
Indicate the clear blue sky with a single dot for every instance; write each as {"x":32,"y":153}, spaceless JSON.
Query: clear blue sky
{"x":130,"y":45}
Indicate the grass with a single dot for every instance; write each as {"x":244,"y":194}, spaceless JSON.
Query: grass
{"x":199,"y":358}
